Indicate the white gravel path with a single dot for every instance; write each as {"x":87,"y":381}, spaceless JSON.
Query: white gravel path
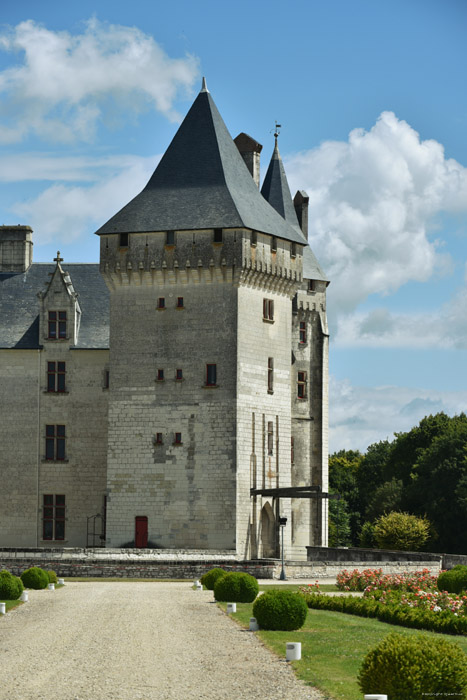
{"x":136,"y":641}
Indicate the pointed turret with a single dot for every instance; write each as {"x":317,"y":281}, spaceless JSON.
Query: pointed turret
{"x":202,"y":182}
{"x":275,"y":189}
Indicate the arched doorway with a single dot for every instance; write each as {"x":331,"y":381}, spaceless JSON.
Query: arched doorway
{"x":268,"y":531}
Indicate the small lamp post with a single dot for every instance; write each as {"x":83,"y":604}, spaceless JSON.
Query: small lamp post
{"x":282,"y":524}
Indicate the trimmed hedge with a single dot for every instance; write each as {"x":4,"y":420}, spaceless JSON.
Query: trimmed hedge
{"x":280,"y":610}
{"x":444,"y":621}
{"x":236,"y":588}
{"x":35,"y":578}
{"x":210,"y":577}
{"x":454,"y":580}
{"x":414,"y":667}
{"x":52,"y":577}
{"x":11,"y":586}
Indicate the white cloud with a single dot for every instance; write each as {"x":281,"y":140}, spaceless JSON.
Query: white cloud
{"x":68,"y":83}
{"x":372,"y":206}
{"x":360,"y":416}
{"x":66,"y":212}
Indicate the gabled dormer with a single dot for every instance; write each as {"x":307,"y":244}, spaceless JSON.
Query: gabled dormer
{"x":60,"y":312}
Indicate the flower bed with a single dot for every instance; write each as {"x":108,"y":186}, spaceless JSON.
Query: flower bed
{"x":410,"y":600}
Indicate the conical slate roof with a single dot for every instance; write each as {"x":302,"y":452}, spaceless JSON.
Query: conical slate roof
{"x":201,"y":182}
{"x":275,"y":189}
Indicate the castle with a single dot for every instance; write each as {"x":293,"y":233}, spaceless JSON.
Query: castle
{"x":176,"y":395}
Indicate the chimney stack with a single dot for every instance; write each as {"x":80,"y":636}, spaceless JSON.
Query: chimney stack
{"x":15,"y":248}
{"x":249,"y":150}
{"x":300,"y":202}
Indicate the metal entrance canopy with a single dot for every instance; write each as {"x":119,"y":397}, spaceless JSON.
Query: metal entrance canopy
{"x":295,"y":492}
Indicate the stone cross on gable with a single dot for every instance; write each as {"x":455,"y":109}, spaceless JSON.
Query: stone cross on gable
{"x":58,"y":259}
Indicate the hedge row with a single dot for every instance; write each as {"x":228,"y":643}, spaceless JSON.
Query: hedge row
{"x":443,"y":621}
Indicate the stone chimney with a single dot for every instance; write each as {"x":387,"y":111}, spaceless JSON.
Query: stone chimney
{"x":249,"y":150}
{"x":15,"y":248}
{"x":300,"y":202}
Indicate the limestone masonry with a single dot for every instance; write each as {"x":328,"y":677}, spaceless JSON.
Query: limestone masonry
{"x":176,"y":395}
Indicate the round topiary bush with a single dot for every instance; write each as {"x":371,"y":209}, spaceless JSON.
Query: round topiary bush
{"x":35,"y":578}
{"x":454,"y":580}
{"x":414,"y":667}
{"x":210,"y":578}
{"x":11,"y":586}
{"x":52,"y":577}
{"x":236,"y":588}
{"x":280,"y":610}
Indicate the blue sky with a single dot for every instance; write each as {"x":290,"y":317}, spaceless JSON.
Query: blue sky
{"x":372,"y":101}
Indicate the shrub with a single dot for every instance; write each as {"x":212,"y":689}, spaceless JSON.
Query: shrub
{"x":454,"y":580}
{"x":367,"y":536}
{"x":210,"y":577}
{"x":236,"y":588}
{"x":35,"y":578}
{"x":280,"y":610}
{"x":401,"y":531}
{"x":414,"y":667}
{"x":52,"y":577}
{"x":11,"y":586}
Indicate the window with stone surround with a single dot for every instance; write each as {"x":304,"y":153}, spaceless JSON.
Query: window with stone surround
{"x":178,"y":375}
{"x":177,"y":439}
{"x":268,"y":310}
{"x":180,"y":304}
{"x":292,"y":451}
{"x":55,"y":442}
{"x":123,"y":240}
{"x":301,"y":385}
{"x":302,"y":332}
{"x":211,"y":375}
{"x":160,"y":375}
{"x":57,"y":325}
{"x":217,"y":235}
{"x":55,"y":377}
{"x":159,"y":439}
{"x":161,"y":303}
{"x":270,"y":437}
{"x":170,"y":238}
{"x":270,"y":375}
{"x":53,"y":517}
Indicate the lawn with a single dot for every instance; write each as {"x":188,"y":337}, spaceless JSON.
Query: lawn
{"x":333,"y":647}
{"x":10,"y":604}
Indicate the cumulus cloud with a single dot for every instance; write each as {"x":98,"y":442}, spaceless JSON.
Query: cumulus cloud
{"x":66,"y":211}
{"x":373,"y":201}
{"x":66,"y":84}
{"x":360,"y":416}
{"x":443,"y":328}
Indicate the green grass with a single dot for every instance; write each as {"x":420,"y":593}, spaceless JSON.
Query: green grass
{"x":10,"y":604}
{"x":333,"y":647}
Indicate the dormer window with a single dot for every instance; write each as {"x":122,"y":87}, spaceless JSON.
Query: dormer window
{"x":123,"y":240}
{"x":57,"y":325}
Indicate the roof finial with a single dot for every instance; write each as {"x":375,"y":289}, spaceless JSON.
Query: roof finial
{"x":58,"y":259}
{"x":277,"y":131}
{"x":204,"y":87}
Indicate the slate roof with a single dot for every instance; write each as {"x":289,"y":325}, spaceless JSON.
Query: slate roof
{"x":19,"y":305}
{"x":201,"y":182}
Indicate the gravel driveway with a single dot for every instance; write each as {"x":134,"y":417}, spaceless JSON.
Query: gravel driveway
{"x":132,"y":641}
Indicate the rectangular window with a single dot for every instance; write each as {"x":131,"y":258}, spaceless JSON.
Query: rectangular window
{"x":270,"y":437}
{"x":161,"y":303}
{"x":311,"y":285}
{"x":160,"y":375}
{"x":217,"y":235}
{"x":123,"y":240}
{"x":179,"y":302}
{"x":292,"y":451}
{"x":159,"y":439}
{"x":270,"y":375}
{"x":170,"y":238}
{"x":211,"y":375}
{"x":178,"y":439}
{"x":274,"y":245}
{"x":301,"y":385}
{"x":55,"y":377}
{"x":302,"y":332}
{"x":268,"y":309}
{"x":57,"y":325}
{"x":106,"y":379}
{"x":53,"y":517}
{"x":293,"y":251}
{"x":178,"y":375}
{"x":254,"y":238}
{"x":54,"y":442}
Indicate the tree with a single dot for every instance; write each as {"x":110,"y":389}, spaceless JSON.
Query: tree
{"x":343,"y":467}
{"x":401,"y":531}
{"x":371,"y":470}
{"x":339,"y":523}
{"x":386,"y":498}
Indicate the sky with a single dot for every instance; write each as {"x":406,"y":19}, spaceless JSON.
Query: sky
{"x":372,"y":103}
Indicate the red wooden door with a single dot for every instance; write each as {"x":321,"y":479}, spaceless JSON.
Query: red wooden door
{"x":141,"y":531}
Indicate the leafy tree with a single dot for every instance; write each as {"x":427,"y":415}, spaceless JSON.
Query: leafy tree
{"x":343,"y":468}
{"x":367,"y":535}
{"x":386,"y":498}
{"x":339,"y":523}
{"x":371,"y":471}
{"x":401,"y":531}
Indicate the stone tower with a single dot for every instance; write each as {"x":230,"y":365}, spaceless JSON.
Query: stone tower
{"x":207,"y":301}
